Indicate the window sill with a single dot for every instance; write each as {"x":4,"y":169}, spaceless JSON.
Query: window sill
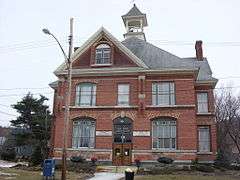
{"x":100,"y":65}
{"x":173,"y":150}
{"x":119,"y":105}
{"x":205,"y":114}
{"x":82,"y":148}
{"x":101,"y":107}
{"x":205,"y":153}
{"x":163,"y":150}
{"x":171,"y":106}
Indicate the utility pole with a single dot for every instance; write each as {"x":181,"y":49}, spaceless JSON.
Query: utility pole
{"x":46,"y":134}
{"x":67,"y":103}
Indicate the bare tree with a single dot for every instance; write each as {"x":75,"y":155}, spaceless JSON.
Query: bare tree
{"x":228,"y":123}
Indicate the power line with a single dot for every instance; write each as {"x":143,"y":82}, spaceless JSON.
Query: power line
{"x":43,"y":42}
{"x":32,"y":88}
{"x":32,"y":45}
{"x":19,"y":88}
{"x":5,"y":105}
{"x":2,"y":112}
{"x":110,"y":91}
{"x":8,"y":95}
{"x":230,"y":77}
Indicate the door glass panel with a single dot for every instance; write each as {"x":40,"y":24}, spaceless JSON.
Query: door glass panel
{"x":122,"y":131}
{"x":126,"y":152}
{"x":117,"y":152}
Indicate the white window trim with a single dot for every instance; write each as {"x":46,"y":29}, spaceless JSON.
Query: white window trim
{"x":101,"y":47}
{"x":118,"y":95}
{"x":93,"y":95}
{"x":164,"y":149}
{"x":174,"y":94}
{"x":209,"y":140}
{"x":207,"y":103}
{"x":94,"y":142}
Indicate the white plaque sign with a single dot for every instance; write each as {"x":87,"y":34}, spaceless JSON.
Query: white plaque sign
{"x":141,"y":133}
{"x":103,"y":133}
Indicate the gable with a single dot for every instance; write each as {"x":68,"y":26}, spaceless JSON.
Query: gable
{"x":83,"y":56}
{"x":88,"y":58}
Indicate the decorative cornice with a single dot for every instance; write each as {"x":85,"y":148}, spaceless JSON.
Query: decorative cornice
{"x":155,"y":114}
{"x":124,"y":71}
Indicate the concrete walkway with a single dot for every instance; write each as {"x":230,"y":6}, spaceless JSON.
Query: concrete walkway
{"x":107,"y":176}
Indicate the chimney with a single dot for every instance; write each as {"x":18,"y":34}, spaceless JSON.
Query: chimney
{"x":199,"y":51}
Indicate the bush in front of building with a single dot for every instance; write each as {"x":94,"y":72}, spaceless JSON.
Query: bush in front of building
{"x":165,"y":160}
{"x":203,"y":168}
{"x":77,"y":159}
{"x":8,"y":155}
{"x":167,"y":169}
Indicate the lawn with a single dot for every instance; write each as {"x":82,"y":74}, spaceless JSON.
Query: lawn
{"x":11,"y":173}
{"x":186,"y":177}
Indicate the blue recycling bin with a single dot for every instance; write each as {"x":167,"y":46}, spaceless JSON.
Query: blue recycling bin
{"x":49,"y":167}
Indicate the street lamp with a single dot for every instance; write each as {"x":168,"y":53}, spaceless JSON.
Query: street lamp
{"x":67,"y":96}
{"x":46,"y":31}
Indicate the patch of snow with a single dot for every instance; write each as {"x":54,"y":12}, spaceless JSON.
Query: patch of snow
{"x":107,"y":176}
{"x":7,"y":164}
{"x":7,"y":174}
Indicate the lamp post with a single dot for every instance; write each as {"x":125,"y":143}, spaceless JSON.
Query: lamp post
{"x":67,"y":95}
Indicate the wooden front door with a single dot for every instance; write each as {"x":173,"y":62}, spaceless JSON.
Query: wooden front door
{"x":122,"y":142}
{"x":122,"y":154}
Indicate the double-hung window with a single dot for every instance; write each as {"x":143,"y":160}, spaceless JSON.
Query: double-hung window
{"x":83,"y":133}
{"x":202,"y":100}
{"x":203,"y":139}
{"x":123,"y":94}
{"x":164,"y":134}
{"x":163,"y":93}
{"x":86,"y":94}
{"x":102,"y":54}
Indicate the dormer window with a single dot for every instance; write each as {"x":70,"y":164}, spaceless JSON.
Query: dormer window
{"x":103,"y":54}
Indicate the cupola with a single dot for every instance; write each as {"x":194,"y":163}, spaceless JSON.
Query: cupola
{"x":134,"y":22}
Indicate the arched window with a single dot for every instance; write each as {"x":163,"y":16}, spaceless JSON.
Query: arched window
{"x":86,"y":94}
{"x":102,"y":54}
{"x":164,"y":133}
{"x":83,"y":133}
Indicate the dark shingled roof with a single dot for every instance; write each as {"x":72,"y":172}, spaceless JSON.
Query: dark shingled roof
{"x":134,"y":12}
{"x":156,"y":58}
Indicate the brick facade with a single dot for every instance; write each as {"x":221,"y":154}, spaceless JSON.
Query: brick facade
{"x":106,"y":110}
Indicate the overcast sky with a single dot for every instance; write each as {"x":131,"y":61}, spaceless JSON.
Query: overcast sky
{"x":28,"y":57}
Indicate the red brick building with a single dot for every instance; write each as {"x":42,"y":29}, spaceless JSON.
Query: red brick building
{"x":131,"y":100}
